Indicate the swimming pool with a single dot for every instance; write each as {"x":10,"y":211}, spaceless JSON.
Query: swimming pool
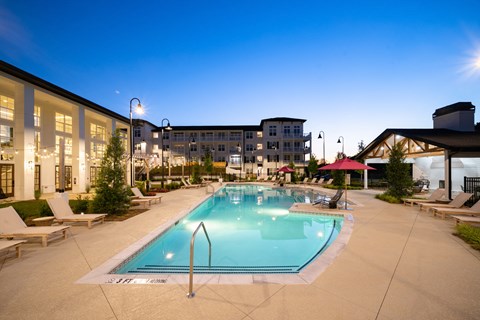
{"x":251,"y":230}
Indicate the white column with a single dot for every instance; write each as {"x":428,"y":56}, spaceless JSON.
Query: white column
{"x":24,"y":135}
{"x":448,"y":187}
{"x":79,"y":172}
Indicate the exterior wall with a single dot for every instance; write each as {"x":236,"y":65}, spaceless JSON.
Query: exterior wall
{"x":35,"y":117}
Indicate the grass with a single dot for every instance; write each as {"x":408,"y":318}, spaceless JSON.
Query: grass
{"x":388,"y":198}
{"x":469,"y":234}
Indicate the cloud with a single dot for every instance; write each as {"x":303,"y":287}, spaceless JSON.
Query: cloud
{"x":117,"y":91}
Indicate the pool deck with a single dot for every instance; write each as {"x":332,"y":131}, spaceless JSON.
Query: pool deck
{"x":398,"y":264}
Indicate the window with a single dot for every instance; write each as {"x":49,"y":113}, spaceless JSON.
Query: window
{"x":296,"y":130}
{"x":222,"y":136}
{"x":155,"y":147}
{"x":272,"y":131}
{"x":286,"y":157}
{"x":6,"y":136}
{"x":155,"y":135}
{"x":37,"y":145}
{"x":193,"y":147}
{"x":249,"y":147}
{"x":63,"y":123}
{"x":235,"y":136}
{"x":36,"y":116}
{"x":97,"y":150}
{"x":97,"y":132}
{"x":286,"y":130}
{"x":221,"y":147}
{"x":67,"y":149}
{"x":249,"y":135}
{"x":6,"y":108}
{"x":137,"y":132}
{"x":272,"y":145}
{"x":297,"y":157}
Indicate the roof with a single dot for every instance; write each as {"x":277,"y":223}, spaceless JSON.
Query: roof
{"x":459,"y":106}
{"x":30,"y":78}
{"x":212,"y":128}
{"x":454,"y":141}
{"x":282,"y":119}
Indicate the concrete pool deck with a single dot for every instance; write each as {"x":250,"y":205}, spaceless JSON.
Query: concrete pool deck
{"x":398,"y":264}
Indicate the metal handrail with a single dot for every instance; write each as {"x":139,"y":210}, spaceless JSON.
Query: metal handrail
{"x":191,"y":294}
{"x":209,"y":185}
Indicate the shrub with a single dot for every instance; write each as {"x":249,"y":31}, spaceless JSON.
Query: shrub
{"x":469,"y":234}
{"x":399,"y":178}
{"x":80,"y":205}
{"x":388,"y":198}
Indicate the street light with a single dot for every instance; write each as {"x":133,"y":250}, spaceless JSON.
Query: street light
{"x":191,"y":140}
{"x":323,"y":138}
{"x":274,"y":147}
{"x":138,"y":110}
{"x":239,"y":149}
{"x":168,"y":128}
{"x":343,"y":144}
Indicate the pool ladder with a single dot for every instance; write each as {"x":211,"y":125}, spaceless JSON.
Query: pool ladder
{"x":191,"y":294}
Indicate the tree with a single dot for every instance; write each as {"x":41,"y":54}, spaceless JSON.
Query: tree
{"x":312,"y":166}
{"x":339,"y":175}
{"x":293,"y":176}
{"x":195,"y":177}
{"x":208,"y":163}
{"x":112,"y":193}
{"x":399,"y":177}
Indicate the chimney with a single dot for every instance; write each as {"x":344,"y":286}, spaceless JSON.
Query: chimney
{"x":459,"y":116}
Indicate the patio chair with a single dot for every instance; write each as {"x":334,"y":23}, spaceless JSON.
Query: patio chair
{"x":436,"y":195}
{"x":12,"y":226}
{"x":137,"y":193}
{"x":187,"y":185}
{"x":458,"y":202}
{"x":466,"y":220}
{"x":330,"y":202}
{"x":473,"y":211}
{"x":17,"y":244}
{"x":63,"y":213}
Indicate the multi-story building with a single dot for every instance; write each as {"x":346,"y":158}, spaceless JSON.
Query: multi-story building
{"x":47,"y":132}
{"x":243,"y":149}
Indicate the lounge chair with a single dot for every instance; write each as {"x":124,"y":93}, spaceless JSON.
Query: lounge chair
{"x":458,"y":202}
{"x":330,"y":202}
{"x":188,"y":185}
{"x":436,"y":195}
{"x":466,"y":220}
{"x":17,"y":244}
{"x":320,"y":181}
{"x":305,"y":181}
{"x":12,"y":226}
{"x":473,"y":211}
{"x":279,"y":181}
{"x":63,"y":213}
{"x":139,"y":195}
{"x":314,"y":180}
{"x":273,"y":179}
{"x":329,"y":181}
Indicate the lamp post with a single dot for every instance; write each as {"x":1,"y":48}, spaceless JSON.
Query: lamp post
{"x":252,"y":159}
{"x":274,"y":147}
{"x":139,"y":110}
{"x":191,"y":140}
{"x":343,"y":144}
{"x":323,"y":138}
{"x":239,"y":149}
{"x":168,"y":128}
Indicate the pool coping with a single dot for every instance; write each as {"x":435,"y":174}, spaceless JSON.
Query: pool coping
{"x":102,"y":275}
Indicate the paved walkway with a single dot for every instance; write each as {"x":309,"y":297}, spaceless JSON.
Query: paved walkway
{"x":398,"y":264}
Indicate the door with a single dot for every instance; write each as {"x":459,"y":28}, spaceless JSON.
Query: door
{"x":6,"y":180}
{"x":68,"y":178}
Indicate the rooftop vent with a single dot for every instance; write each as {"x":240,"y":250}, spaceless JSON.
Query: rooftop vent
{"x":459,"y":116}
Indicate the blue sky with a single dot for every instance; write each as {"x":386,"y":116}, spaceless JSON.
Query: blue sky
{"x":351,"y":68}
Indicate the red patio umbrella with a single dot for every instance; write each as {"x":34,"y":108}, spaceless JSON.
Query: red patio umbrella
{"x":286,"y":169}
{"x":346,"y":164}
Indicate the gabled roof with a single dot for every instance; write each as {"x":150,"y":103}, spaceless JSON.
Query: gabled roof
{"x":457,"y":142}
{"x":282,"y":119}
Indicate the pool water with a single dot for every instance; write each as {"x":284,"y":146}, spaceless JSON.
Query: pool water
{"x":251,"y":231}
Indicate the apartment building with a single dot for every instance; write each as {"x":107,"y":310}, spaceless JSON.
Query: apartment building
{"x":47,"y":132}
{"x":242,"y":149}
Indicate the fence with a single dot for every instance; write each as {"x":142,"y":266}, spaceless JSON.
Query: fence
{"x":472,"y":185}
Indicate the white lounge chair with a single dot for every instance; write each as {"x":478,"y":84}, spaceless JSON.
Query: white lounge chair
{"x":137,"y":193}
{"x":63,"y":213}
{"x":17,"y":244}
{"x":467,"y":220}
{"x":314,"y":180}
{"x":458,"y":202}
{"x":436,"y":195}
{"x":12,"y":226}
{"x":473,"y":211}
